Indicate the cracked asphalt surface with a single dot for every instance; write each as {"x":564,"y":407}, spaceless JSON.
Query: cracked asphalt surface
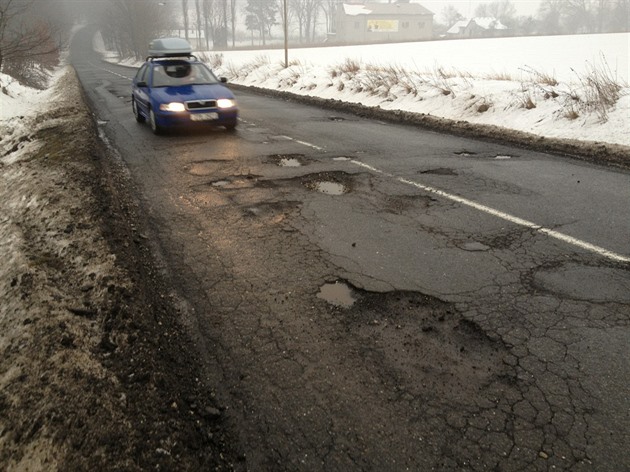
{"x":475,"y":342}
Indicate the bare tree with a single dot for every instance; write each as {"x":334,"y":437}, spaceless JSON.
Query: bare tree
{"x":130,"y":25}
{"x":580,"y":16}
{"x":450,"y":15}
{"x":296,"y":8}
{"x":551,"y":14}
{"x":23,"y":33}
{"x":205,"y":19}
{"x":185,"y":17}
{"x":306,"y":12}
{"x":233,"y":21}
{"x":330,"y":12}
{"x":503,"y":10}
{"x":620,"y":16}
{"x":198,"y":22}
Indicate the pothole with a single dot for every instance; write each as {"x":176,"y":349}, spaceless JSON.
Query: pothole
{"x":400,"y":204}
{"x":236,"y":182}
{"x":439,"y":171}
{"x":336,"y":118}
{"x":503,"y":157}
{"x":330,"y":188}
{"x":465,"y":153}
{"x":341,"y":158}
{"x":289,"y":163}
{"x":474,"y":246}
{"x":338,"y":294}
{"x":329,"y":183}
{"x":580,"y":282}
{"x":206,"y":167}
{"x":288,"y":160}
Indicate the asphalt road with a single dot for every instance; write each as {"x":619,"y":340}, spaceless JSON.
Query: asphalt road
{"x":371,"y":296}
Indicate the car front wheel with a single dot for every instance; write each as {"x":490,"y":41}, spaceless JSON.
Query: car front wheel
{"x":136,"y":112}
{"x":153,"y":122}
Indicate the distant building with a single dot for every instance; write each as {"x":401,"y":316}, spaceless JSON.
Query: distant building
{"x":486,"y":27}
{"x":383,"y":22}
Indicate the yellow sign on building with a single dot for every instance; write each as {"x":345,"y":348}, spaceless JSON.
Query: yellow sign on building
{"x":383,"y":26}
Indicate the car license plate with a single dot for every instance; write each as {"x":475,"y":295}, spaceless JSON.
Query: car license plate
{"x":204,"y":116}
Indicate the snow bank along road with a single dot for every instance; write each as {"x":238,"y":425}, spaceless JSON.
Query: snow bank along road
{"x":371,"y":296}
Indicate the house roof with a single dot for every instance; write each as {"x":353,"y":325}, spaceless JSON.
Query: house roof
{"x":355,"y":9}
{"x":457,"y":27}
{"x":487,"y":23}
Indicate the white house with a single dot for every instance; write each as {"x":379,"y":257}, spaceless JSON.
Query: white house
{"x":383,"y":22}
{"x":477,"y":28}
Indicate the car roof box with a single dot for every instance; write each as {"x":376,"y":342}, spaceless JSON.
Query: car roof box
{"x":169,"y":47}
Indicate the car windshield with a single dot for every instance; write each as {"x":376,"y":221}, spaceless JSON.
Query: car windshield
{"x":182,"y":73}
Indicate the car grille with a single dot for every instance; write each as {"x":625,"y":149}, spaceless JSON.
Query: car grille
{"x":201,"y":104}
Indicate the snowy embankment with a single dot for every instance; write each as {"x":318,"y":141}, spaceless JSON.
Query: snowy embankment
{"x":571,"y":87}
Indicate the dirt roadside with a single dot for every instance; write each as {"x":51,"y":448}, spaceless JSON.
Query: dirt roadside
{"x":95,"y":371}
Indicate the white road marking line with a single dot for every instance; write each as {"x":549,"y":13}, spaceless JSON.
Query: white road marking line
{"x":111,"y":72}
{"x":309,"y":145}
{"x":303,"y":143}
{"x":504,"y":216}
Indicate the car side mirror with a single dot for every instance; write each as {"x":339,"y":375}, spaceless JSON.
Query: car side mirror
{"x":141,"y":84}
{"x":223,"y":80}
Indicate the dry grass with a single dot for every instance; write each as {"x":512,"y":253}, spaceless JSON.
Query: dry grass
{"x":542,"y":78}
{"x":602,"y":90}
{"x":503,"y":76}
{"x":484,"y":107}
{"x":527,"y":101}
{"x":596,"y":92}
{"x":215,"y":60}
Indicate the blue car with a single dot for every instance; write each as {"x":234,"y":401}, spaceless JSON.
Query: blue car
{"x":173,"y":89}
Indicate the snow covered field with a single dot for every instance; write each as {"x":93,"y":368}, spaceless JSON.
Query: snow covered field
{"x":550,"y":86}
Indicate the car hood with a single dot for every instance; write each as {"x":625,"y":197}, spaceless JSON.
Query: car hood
{"x":190,"y":92}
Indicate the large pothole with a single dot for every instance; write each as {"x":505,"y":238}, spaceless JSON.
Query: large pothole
{"x":287,"y":160}
{"x":581,"y":282}
{"x":329,"y":183}
{"x":427,"y":345}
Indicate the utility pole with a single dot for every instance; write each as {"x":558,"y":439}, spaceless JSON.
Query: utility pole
{"x":286,"y":35}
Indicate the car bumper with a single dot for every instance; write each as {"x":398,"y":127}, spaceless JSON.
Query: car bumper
{"x":225,"y":117}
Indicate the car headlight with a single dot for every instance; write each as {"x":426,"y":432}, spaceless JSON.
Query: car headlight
{"x":226,"y":103}
{"x":173,"y":106}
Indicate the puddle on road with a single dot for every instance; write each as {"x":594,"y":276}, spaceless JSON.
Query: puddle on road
{"x":330,"y":188}
{"x":341,"y":158}
{"x":465,"y":153}
{"x":338,"y":294}
{"x":499,"y":157}
{"x":328,"y":183}
{"x":235,"y":182}
{"x":287,"y":160}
